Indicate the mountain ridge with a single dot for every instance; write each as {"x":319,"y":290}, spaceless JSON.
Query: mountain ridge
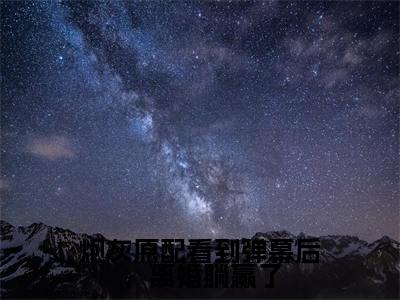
{"x":46,"y":260}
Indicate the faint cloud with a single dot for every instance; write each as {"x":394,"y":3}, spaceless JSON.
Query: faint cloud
{"x":332,"y":78}
{"x":4,"y":185}
{"x":331,"y":54}
{"x":372,"y":112}
{"x":51,"y":147}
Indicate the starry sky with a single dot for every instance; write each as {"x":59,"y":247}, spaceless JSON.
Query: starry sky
{"x":201,"y":119}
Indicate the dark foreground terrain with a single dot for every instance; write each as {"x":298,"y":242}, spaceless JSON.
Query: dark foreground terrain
{"x":41,"y":261}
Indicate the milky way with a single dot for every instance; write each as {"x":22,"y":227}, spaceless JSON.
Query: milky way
{"x":201,"y":119}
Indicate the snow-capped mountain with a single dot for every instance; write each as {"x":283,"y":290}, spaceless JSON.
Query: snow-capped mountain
{"x":44,"y":261}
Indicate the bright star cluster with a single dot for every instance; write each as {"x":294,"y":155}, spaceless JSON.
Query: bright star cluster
{"x":201,"y":119}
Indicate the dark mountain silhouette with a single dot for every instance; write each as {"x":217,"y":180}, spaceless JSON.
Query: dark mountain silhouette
{"x":41,"y":261}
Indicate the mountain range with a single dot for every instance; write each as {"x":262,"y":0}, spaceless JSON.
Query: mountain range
{"x":41,"y":261}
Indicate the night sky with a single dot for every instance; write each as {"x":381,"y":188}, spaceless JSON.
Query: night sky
{"x":201,"y":119}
